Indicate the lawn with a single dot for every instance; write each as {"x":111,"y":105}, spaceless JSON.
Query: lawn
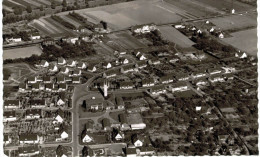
{"x":234,"y":22}
{"x":21,"y":52}
{"x":244,"y":40}
{"x":173,"y":35}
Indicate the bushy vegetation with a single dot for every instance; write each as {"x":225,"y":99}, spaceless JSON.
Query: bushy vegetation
{"x":154,"y":37}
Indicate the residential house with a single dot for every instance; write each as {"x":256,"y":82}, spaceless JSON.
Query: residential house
{"x":107,"y":65}
{"x":131,"y":152}
{"x":64,"y":70}
{"x":124,"y":60}
{"x":229,"y":69}
{"x":216,"y":78}
{"x":201,"y":82}
{"x":144,"y":29}
{"x":147,"y":151}
{"x":76,"y":80}
{"x":166,"y":79}
{"x":221,"y":35}
{"x":138,"y":140}
{"x":110,"y":73}
{"x":158,"y":89}
{"x":228,"y":76}
{"x":126,"y":85}
{"x":62,"y":87}
{"x":31,"y":138}
{"x":86,"y":137}
{"x":59,"y":118}
{"x":62,"y":136}
{"x":179,"y":87}
{"x":154,"y":61}
{"x":49,"y":87}
{"x":241,"y":55}
{"x":7,"y":139}
{"x":36,"y":87}
{"x":28,"y":150}
{"x":215,"y":70}
{"x":182,"y":77}
{"x":35,"y":36}
{"x":60,"y":102}
{"x":141,"y":64}
{"x":32,"y":79}
{"x":119,"y":136}
{"x":46,"y":79}
{"x":82,"y":65}
{"x":61,"y":151}
{"x":135,"y":121}
{"x":53,"y":68}
{"x":198,"y":74}
{"x":127,"y":68}
{"x":106,"y":124}
{"x":89,"y":126}
{"x":92,"y":68}
{"x":33,"y":114}
{"x":60,"y":79}
{"x":15,"y":39}
{"x":141,"y":57}
{"x":136,"y":53}
{"x":71,"y":63}
{"x":76,"y":72}
{"x":22,"y":87}
{"x":12,"y":104}
{"x":148,"y":83}
{"x":179,"y":26}
{"x":9,"y":116}
{"x":37,"y":103}
{"x":43,"y":64}
{"x":123,"y":120}
{"x":61,"y":61}
{"x":93,"y":104}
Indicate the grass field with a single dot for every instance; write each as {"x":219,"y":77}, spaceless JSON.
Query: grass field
{"x":21,"y":52}
{"x":124,"y":15}
{"x":233,"y":22}
{"x":173,"y":35}
{"x":244,"y":40}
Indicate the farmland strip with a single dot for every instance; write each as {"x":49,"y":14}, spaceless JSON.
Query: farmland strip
{"x":11,"y":4}
{"x":43,"y":2}
{"x":58,"y":26}
{"x":33,"y":2}
{"x":73,"y":22}
{"x":8,"y":8}
{"x":49,"y":25}
{"x":19,"y":4}
{"x":63,"y":22}
{"x":26,"y":4}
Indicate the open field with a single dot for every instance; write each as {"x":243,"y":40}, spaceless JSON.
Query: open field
{"x":233,"y":22}
{"x":127,"y":14}
{"x":124,"y":41}
{"x":21,"y":52}
{"x":173,"y":35}
{"x":244,"y":40}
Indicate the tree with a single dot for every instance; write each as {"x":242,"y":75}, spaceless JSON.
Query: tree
{"x":53,"y":4}
{"x":29,"y":9}
{"x":85,"y":151}
{"x":41,"y":8}
{"x":18,"y":10}
{"x":64,"y":3}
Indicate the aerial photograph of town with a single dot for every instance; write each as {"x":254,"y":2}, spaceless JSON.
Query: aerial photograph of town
{"x":131,"y":78}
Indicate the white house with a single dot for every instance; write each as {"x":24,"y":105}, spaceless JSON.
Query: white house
{"x":76,"y":80}
{"x":15,"y":39}
{"x":61,"y":61}
{"x":28,"y":150}
{"x":12,"y":104}
{"x":82,"y":65}
{"x":53,"y":68}
{"x":35,"y":36}
{"x":92,"y":68}
{"x":9,"y":116}
{"x":71,"y":63}
{"x":107,"y":65}
{"x":179,"y":87}
{"x":87,"y":139}
{"x":31,"y":138}
{"x":179,"y":26}
{"x":156,"y":90}
{"x":32,"y":80}
{"x":148,"y":83}
{"x":221,"y":35}
{"x":33,"y":114}
{"x":141,"y":57}
{"x":144,"y":29}
{"x":64,"y":135}
{"x":64,"y":70}
{"x":216,"y":78}
{"x":7,"y":139}
{"x":211,"y":30}
{"x":58,"y":119}
{"x":44,"y":64}
{"x":138,"y":143}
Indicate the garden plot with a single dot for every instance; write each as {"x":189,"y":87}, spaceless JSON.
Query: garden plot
{"x":12,"y":4}
{"x":244,"y":40}
{"x":9,"y":9}
{"x":21,"y":52}
{"x":70,"y":20}
{"x":173,"y":35}
{"x":33,"y":2}
{"x":43,"y":2}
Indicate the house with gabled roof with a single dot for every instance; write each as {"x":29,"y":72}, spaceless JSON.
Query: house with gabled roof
{"x":123,"y":122}
{"x":59,"y":117}
{"x":201,"y":82}
{"x":182,"y":77}
{"x":28,"y":150}
{"x":53,"y":68}
{"x":62,"y":136}
{"x":107,"y":65}
{"x":7,"y":139}
{"x":36,"y":87}
{"x":76,"y":80}
{"x":60,"y":79}
{"x":216,"y":78}
{"x":135,"y":121}
{"x":35,"y":36}
{"x":110,"y":73}
{"x":141,"y":64}
{"x":49,"y":87}
{"x":148,"y":83}
{"x":62,"y":87}
{"x":32,"y":79}
{"x":147,"y":151}
{"x":154,"y":61}
{"x":155,"y":90}
{"x":37,"y":103}
{"x":60,"y":102}
{"x":127,"y":68}
{"x":61,"y":61}
{"x":228,"y":76}
{"x":76,"y":72}
{"x":9,"y":116}
{"x":126,"y":85}
{"x":136,"y":53}
{"x":130,"y":152}
{"x":46,"y":79}
{"x":179,"y":87}
{"x":215,"y":70}
{"x":33,"y":113}
{"x":86,"y":137}
{"x":166,"y":79}
{"x":106,"y":124}
{"x":43,"y":64}
{"x":198,"y":74}
{"x":12,"y":104}
{"x":64,"y":70}
{"x":82,"y":65}
{"x":71,"y":63}
{"x":31,"y":138}
{"x":92,"y":68}
{"x":138,"y":140}
{"x":22,"y":87}
{"x":141,"y":57}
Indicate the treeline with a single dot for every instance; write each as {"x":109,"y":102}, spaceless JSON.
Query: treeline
{"x":82,"y":19}
{"x":52,"y":52}
{"x":154,"y":37}
{"x":63,"y":22}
